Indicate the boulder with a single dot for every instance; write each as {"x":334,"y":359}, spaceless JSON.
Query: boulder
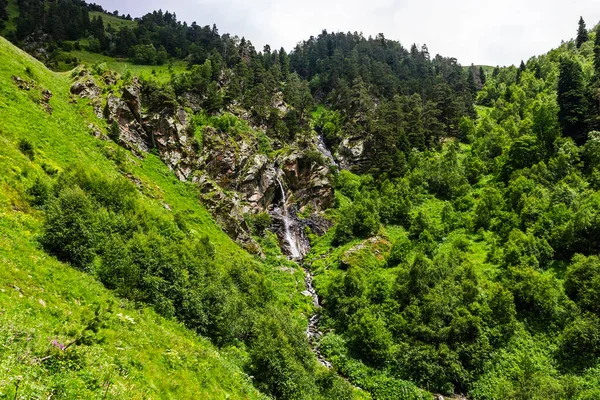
{"x":86,"y":88}
{"x":131,"y":132}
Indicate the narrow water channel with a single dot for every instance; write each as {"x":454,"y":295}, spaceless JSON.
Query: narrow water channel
{"x":312,"y":331}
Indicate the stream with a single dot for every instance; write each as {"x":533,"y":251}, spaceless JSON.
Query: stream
{"x":312,"y":331}
{"x":295,"y":253}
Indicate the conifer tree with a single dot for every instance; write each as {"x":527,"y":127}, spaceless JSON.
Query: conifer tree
{"x":582,"y":33}
{"x":522,"y":68}
{"x":496,"y":71}
{"x":482,"y":77}
{"x":471,"y":80}
{"x":571,"y":100}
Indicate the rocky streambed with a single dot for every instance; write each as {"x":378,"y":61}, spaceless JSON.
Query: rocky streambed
{"x":312,"y":331}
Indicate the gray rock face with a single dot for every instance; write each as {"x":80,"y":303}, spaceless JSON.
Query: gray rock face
{"x":166,"y":131}
{"x":236,"y":165}
{"x":86,"y":89}
{"x":169,"y":133}
{"x":131,"y":132}
{"x":234,"y":177}
{"x":227,"y":211}
{"x":351,"y":153}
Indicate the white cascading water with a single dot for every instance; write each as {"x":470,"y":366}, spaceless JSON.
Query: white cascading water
{"x":312,"y":331}
{"x":325,"y":151}
{"x":292,"y":243}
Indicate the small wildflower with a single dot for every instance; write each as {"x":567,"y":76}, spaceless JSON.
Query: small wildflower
{"x":58,"y":345}
{"x":126,"y":318}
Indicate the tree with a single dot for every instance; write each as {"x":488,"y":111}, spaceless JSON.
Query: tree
{"x":70,"y":230}
{"x":143,"y":54}
{"x":582,"y":283}
{"x":471,"y":80}
{"x":522,"y":68}
{"x":582,"y":33}
{"x":571,"y":100}
{"x":482,"y":77}
{"x":3,"y":13}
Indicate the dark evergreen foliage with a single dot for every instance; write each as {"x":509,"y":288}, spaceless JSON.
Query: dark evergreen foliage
{"x":3,"y":12}
{"x":582,"y":33}
{"x":571,"y":100}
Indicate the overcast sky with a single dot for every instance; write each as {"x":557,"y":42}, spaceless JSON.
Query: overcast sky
{"x":497,"y":32}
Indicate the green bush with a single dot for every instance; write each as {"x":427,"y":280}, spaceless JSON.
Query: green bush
{"x":26,"y":147}
{"x":71,"y":229}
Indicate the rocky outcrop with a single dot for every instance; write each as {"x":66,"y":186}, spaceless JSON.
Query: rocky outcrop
{"x":235,"y":177}
{"x":165,"y":130}
{"x":131,"y":134}
{"x":351,"y":153}
{"x":228,"y":212}
{"x":236,"y":165}
{"x":85,"y":87}
{"x":170,"y":134}
{"x":308,"y":179}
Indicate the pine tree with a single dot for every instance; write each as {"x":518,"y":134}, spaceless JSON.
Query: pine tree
{"x":582,"y":33}
{"x":522,"y":68}
{"x":471,"y":80}
{"x":482,"y":77}
{"x":571,"y":100}
{"x":496,"y":71}
{"x":594,"y":88}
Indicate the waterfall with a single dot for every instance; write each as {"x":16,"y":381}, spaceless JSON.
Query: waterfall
{"x":312,"y":331}
{"x":325,"y":150}
{"x":289,"y":238}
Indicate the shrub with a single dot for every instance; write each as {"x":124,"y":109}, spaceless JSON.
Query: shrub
{"x":27,"y":148}
{"x":39,"y":192}
{"x":70,"y":229}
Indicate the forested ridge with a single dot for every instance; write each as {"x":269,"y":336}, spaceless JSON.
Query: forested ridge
{"x":463,"y":256}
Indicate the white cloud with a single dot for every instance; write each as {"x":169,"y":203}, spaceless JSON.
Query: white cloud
{"x":481,"y":32}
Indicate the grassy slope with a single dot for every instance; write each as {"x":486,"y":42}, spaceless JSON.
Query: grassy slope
{"x":115,"y":22}
{"x":53,"y":301}
{"x":160,"y":74}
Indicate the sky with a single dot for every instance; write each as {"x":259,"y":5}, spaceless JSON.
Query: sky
{"x":482,"y":32}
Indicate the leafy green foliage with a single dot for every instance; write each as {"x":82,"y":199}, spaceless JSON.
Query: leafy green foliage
{"x":489,"y":283}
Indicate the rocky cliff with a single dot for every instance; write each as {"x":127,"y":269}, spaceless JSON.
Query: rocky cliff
{"x":236,"y":177}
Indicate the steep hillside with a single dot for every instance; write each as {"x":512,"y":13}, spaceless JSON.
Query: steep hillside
{"x":64,"y":335}
{"x":79,"y":197}
{"x":352,"y":219}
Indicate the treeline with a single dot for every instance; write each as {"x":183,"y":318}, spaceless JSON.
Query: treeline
{"x":397,"y":99}
{"x":60,"y":20}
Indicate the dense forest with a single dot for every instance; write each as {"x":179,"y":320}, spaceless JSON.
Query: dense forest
{"x":347,"y":72}
{"x":463,"y":256}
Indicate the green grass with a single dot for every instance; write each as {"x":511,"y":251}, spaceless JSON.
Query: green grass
{"x":487,"y":68}
{"x":42,"y":300}
{"x":158,"y":73}
{"x":115,"y":22}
